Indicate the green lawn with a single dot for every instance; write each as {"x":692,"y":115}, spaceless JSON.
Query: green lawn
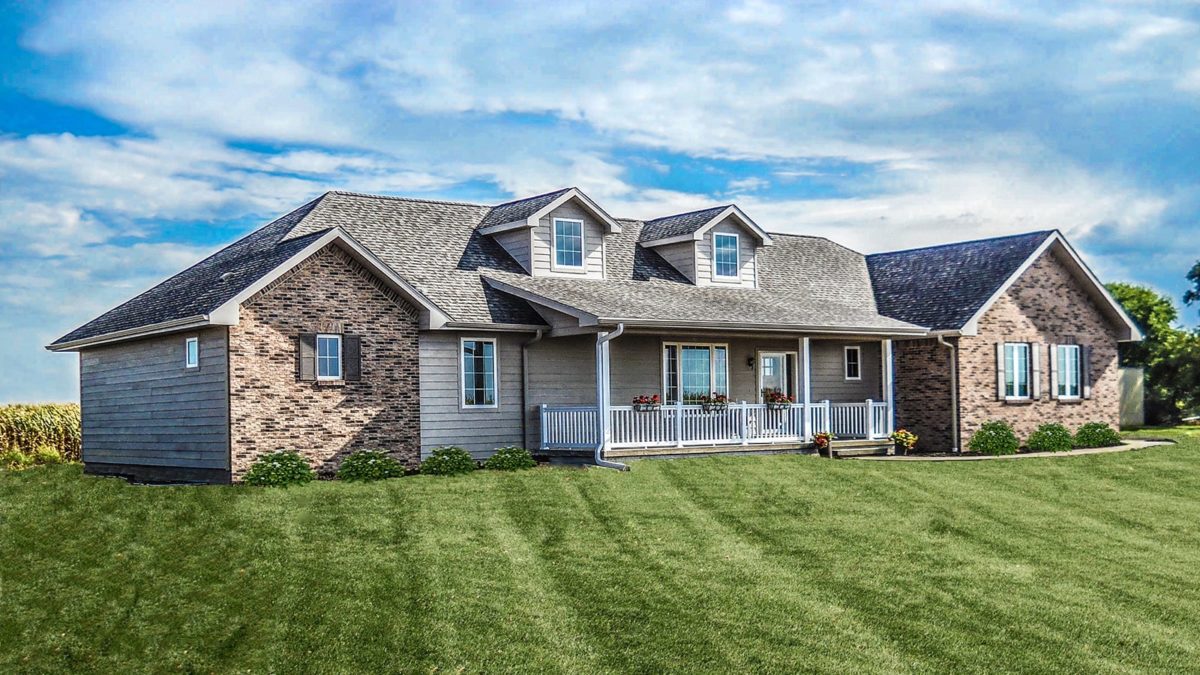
{"x":771,"y":563}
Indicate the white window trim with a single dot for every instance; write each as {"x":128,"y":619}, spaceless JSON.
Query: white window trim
{"x":712,"y":372}
{"x":1063,"y":349}
{"x":462,"y":375}
{"x":554,"y":264}
{"x":340,"y":360}
{"x":187,"y":352}
{"x":846,"y":363}
{"x":736,"y":277}
{"x":792,"y":382}
{"x":1028,"y":372}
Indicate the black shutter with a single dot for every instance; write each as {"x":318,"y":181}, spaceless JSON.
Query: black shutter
{"x":352,"y":353}
{"x":306,"y":357}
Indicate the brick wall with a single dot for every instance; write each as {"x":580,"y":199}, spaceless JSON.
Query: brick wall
{"x":1045,"y":305}
{"x":271,"y":410}
{"x":922,"y":377}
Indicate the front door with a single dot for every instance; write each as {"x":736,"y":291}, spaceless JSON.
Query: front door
{"x":776,"y":371}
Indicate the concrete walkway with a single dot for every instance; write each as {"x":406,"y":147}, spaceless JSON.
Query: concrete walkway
{"x":1128,"y":445}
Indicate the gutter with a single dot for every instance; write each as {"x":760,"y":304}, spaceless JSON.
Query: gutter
{"x":197,"y":321}
{"x":602,"y":340}
{"x":953,"y":392}
{"x":525,"y":386}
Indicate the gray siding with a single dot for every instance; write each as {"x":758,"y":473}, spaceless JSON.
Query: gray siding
{"x":829,"y":378}
{"x":141,"y":406}
{"x":747,"y":248}
{"x":516,"y":242}
{"x":593,"y":244}
{"x":682,"y":257}
{"x":443,"y":420}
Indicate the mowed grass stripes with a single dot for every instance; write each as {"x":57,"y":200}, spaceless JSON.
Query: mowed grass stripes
{"x":777,"y":563}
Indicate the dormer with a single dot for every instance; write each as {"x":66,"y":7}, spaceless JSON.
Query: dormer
{"x":712,"y":247}
{"x":558,"y":234}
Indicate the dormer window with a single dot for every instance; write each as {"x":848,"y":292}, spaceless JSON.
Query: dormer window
{"x":725,"y":259}
{"x":568,"y":244}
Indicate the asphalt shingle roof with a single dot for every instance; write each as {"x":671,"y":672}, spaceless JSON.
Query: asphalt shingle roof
{"x":521,"y":209}
{"x":942,"y":287}
{"x":679,"y":224}
{"x":435,"y":246}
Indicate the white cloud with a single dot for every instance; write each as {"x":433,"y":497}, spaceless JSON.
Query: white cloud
{"x":756,"y":12}
{"x":748,"y":184}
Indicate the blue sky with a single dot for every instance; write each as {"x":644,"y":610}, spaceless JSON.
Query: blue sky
{"x":137,"y":137}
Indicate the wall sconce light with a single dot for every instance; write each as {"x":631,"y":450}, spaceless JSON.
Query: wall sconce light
{"x":750,"y":362}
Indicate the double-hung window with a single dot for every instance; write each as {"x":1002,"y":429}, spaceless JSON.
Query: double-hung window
{"x":1016,"y":370}
{"x":479,"y":376}
{"x":694,"y":371}
{"x":1069,"y":379}
{"x":329,"y":357}
{"x":191,"y":353}
{"x":853,"y":363}
{"x":568,"y":243}
{"x":725,"y":256}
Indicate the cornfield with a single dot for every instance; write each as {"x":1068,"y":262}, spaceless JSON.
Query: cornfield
{"x":26,"y":427}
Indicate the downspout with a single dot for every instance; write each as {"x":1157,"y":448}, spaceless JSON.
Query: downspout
{"x":525,"y":387}
{"x":953,"y":391}
{"x":602,"y":340}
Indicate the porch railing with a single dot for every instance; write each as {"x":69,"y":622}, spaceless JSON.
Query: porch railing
{"x":689,"y":425}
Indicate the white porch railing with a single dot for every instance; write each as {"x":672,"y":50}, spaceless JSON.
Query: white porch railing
{"x":689,"y":425}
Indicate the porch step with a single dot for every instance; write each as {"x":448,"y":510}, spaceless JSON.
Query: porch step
{"x":860,"y":448}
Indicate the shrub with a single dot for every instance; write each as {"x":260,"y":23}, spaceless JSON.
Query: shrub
{"x":510,"y":459}
{"x":369,"y":465}
{"x":26,"y":427}
{"x":1052,"y":437}
{"x":995,"y":438}
{"x":279,"y":469}
{"x":1096,"y":435}
{"x":448,"y":461}
{"x":14,"y":460}
{"x":47,"y":454}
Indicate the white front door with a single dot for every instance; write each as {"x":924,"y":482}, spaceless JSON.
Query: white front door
{"x":776,"y":370}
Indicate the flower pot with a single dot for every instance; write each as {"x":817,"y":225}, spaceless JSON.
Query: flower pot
{"x":778,"y":406}
{"x":714,"y":407}
{"x":646,"y":407}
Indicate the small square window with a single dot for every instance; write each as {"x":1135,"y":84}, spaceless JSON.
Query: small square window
{"x":192,"y":353}
{"x":329,"y":357}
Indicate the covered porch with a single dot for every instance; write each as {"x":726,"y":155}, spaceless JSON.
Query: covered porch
{"x":841,"y":385}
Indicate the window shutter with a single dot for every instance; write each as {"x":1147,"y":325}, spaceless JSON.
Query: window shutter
{"x":1035,"y":371}
{"x":306,"y":357}
{"x":352,"y":354}
{"x":1053,"y":371}
{"x":1085,"y":370}
{"x":999,"y":371}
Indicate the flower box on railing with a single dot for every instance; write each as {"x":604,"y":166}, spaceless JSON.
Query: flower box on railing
{"x":778,"y":406}
{"x":714,"y":402}
{"x":714,"y":407}
{"x":646,"y":407}
{"x":776,"y":399}
{"x":647,"y":403}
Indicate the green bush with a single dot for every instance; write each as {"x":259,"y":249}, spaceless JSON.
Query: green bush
{"x":14,"y":460}
{"x":995,"y":438}
{"x":1096,"y":435}
{"x":448,"y":461}
{"x":510,"y":459}
{"x":367,"y":465}
{"x":279,"y":469}
{"x":47,"y":454}
{"x":1051,"y":437}
{"x":26,"y":427}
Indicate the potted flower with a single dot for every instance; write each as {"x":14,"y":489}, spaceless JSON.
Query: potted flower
{"x":822,"y":441}
{"x":904,"y":439}
{"x":714,"y":402}
{"x":646,"y":403}
{"x":777,"y":400}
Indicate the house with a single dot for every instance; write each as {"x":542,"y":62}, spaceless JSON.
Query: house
{"x":361,"y":321}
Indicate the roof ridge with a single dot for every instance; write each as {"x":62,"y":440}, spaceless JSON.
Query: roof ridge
{"x":349,"y":193}
{"x":961,"y":243}
{"x":688,"y":213}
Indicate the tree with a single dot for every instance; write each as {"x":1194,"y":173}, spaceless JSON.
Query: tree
{"x":1169,"y":355}
{"x":1192,"y":296}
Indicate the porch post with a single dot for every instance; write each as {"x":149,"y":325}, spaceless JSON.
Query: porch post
{"x":806,"y":386}
{"x":889,"y":386}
